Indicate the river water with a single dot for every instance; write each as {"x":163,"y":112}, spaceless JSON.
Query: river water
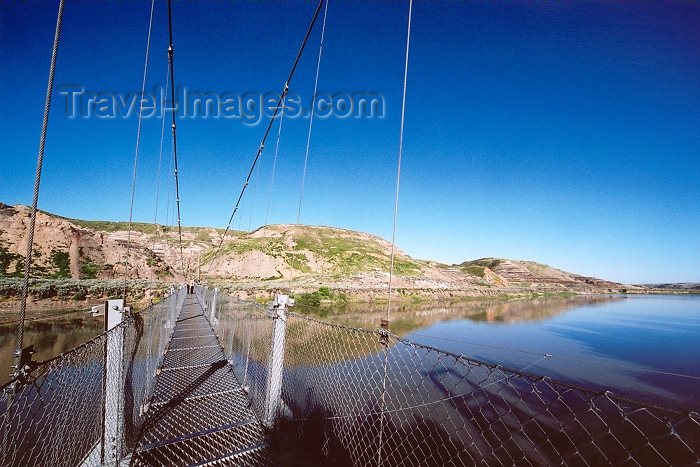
{"x":50,"y":337}
{"x":642,"y":347}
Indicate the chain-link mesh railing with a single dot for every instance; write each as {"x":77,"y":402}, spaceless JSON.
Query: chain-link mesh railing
{"x":371,"y":398}
{"x":56,"y":416}
{"x":244,"y":329}
{"x":359,"y":397}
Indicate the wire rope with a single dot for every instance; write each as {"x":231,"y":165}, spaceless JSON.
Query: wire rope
{"x":398,"y":170}
{"x":37,"y":182}
{"x":160,"y":161}
{"x":267,"y":131}
{"x":272,"y":181}
{"x":308,"y":135}
{"x":136,"y":154}
{"x":174,"y":128}
{"x":393,"y":237}
{"x":560,"y":357}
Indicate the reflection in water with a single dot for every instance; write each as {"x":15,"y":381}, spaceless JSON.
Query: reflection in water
{"x":410,"y":317}
{"x":632,"y":346}
{"x":50,"y":337}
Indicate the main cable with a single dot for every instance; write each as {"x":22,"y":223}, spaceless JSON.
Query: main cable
{"x":35,"y":202}
{"x":267,"y":131}
{"x":174,"y":127}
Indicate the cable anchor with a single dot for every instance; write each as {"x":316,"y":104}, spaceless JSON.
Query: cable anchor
{"x":22,"y":371}
{"x":384,"y":332}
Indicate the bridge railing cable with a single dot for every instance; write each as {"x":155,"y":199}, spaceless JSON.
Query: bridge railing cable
{"x":439,"y":408}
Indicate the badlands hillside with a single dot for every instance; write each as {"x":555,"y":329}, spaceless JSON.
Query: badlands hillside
{"x":269,"y":258}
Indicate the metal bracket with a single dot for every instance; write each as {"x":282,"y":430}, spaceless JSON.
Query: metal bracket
{"x":384,"y":332}
{"x":24,"y":367}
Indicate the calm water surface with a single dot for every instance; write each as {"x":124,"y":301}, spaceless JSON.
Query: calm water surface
{"x":50,"y":337}
{"x":642,"y":347}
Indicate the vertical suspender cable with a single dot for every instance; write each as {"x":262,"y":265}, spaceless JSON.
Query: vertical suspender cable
{"x":37,"y":181}
{"x":160,"y":159}
{"x":393,"y":237}
{"x":172,"y":99}
{"x":274,"y":165}
{"x":136,"y":155}
{"x":398,"y":171}
{"x":308,"y":135}
{"x":272,"y":179}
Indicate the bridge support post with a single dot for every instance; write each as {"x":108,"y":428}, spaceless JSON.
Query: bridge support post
{"x":213,"y":307}
{"x":113,"y":384}
{"x":275,"y":370}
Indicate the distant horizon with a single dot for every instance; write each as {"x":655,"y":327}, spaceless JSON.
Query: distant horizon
{"x":564,"y":133}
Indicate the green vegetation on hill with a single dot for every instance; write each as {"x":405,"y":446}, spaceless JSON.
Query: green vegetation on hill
{"x":322,"y":296}
{"x":64,"y":289}
{"x":343,"y":250}
{"x":61,"y":261}
{"x":473,"y":270}
{"x":203,"y":233}
{"x":6,"y":259}
{"x":490,"y":263}
{"x":351,"y":255}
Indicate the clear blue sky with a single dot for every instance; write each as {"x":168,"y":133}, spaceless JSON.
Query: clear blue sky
{"x":559,"y":132}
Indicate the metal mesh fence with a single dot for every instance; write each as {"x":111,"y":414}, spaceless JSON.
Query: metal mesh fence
{"x":371,"y":398}
{"x":244,"y":330}
{"x":357,"y":397}
{"x":57,"y":414}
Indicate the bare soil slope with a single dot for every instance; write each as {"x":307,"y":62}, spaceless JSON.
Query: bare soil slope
{"x":276,"y":256}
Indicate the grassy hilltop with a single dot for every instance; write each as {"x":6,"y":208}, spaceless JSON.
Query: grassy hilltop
{"x":271,"y":258}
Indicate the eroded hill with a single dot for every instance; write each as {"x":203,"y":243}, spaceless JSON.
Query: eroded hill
{"x":276,"y":256}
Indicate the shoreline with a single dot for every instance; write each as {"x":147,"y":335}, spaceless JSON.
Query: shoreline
{"x":318,"y":294}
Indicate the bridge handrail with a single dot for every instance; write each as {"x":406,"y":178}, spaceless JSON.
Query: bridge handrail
{"x":55,"y":415}
{"x":383,"y":398}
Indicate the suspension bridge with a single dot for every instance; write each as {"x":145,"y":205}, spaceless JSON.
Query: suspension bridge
{"x":203,"y":378}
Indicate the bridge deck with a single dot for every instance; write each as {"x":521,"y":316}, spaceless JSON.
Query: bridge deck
{"x":199,"y":414}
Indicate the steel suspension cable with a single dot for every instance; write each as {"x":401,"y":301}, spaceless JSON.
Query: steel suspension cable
{"x":308,"y":135}
{"x":398,"y":170}
{"x":37,"y":181}
{"x":174,"y":127}
{"x":160,"y":159}
{"x":267,"y":130}
{"x":168,"y":217}
{"x":274,"y":165}
{"x":272,"y":180}
{"x":393,"y":237}
{"x":136,"y":155}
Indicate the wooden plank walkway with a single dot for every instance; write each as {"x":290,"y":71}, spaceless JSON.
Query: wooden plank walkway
{"x":199,"y":414}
